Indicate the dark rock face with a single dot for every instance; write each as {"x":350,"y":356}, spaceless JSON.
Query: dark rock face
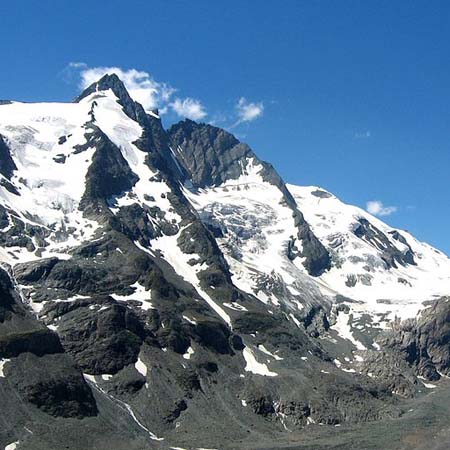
{"x":7,"y":165}
{"x":315,"y":321}
{"x":423,"y":343}
{"x":36,"y":271}
{"x":214,"y":336}
{"x":317,"y":259}
{"x":16,"y":233}
{"x":321,"y":194}
{"x":262,"y":405}
{"x":211,"y":155}
{"x":295,"y":413}
{"x":411,"y":349}
{"x":179,"y":407}
{"x":38,"y":342}
{"x":127,"y":382}
{"x":391,"y":255}
{"x":174,"y":336}
{"x":6,"y":296}
{"x":39,"y":371}
{"x":95,"y":268}
{"x":102,"y":339}
{"x":392,"y":373}
{"x":53,"y":384}
{"x":109,"y":173}
{"x":342,"y":403}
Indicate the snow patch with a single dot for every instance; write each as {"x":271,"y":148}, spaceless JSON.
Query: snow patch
{"x":427,"y":385}
{"x":191,"y":321}
{"x":235,"y":306}
{"x":253,"y":366}
{"x":140,"y":294}
{"x":141,"y":367}
{"x":2,"y":365}
{"x":189,"y":353}
{"x":343,"y":329}
{"x":272,"y":355}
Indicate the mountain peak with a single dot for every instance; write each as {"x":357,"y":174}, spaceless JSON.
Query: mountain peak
{"x":107,"y":81}
{"x":113,"y":82}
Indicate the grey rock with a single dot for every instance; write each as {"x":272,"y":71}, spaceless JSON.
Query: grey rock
{"x":423,"y":343}
{"x":39,"y":371}
{"x":391,"y":255}
{"x":7,"y":165}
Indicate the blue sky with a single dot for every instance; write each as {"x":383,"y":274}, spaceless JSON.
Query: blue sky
{"x":353,"y":96}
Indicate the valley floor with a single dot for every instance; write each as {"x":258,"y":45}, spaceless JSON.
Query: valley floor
{"x":425,"y":425}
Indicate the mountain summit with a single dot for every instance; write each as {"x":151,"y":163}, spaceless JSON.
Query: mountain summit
{"x":166,"y":289}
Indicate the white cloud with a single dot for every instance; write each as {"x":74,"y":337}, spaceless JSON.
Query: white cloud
{"x":248,"y":111}
{"x":77,"y":65}
{"x":143,"y":88}
{"x":363,"y":134}
{"x":377,"y":208}
{"x":189,"y":107}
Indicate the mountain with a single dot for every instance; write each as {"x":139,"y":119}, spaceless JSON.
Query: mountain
{"x":166,"y":289}
{"x":372,"y":261}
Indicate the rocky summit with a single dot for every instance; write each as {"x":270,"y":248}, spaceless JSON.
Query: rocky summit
{"x":165,"y":289}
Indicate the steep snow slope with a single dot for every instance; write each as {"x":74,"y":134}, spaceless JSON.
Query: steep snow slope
{"x":255,"y":229}
{"x":387,"y":269}
{"x":124,"y":132}
{"x":48,"y":144}
{"x":41,"y":136}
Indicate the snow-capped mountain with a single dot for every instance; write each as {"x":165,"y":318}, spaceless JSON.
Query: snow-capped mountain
{"x":159,"y":284}
{"x":371,"y":261}
{"x":387,"y":271}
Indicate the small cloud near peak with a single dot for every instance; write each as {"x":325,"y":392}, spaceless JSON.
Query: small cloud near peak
{"x":189,"y":107}
{"x":143,"y":88}
{"x":248,"y":111}
{"x":363,"y":134}
{"x":377,"y":208}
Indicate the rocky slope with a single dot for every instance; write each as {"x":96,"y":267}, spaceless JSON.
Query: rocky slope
{"x":167,"y":289}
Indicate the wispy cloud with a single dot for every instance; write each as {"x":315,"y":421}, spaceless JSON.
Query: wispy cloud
{"x":362,"y":134}
{"x":248,"y":111}
{"x":377,"y":208}
{"x":189,"y":107}
{"x":143,"y":88}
